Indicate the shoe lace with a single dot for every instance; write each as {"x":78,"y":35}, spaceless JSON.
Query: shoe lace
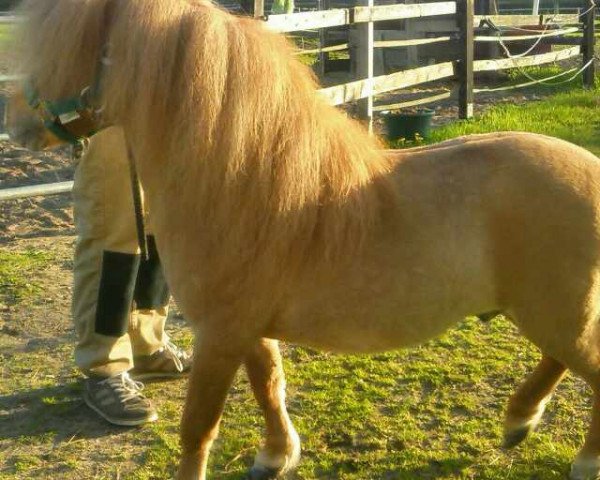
{"x":176,"y":355}
{"x":125,"y":387}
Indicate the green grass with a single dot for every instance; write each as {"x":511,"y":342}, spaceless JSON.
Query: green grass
{"x":17,"y":277}
{"x":431,"y":412}
{"x":541,"y":72}
{"x":572,"y":116}
{"x":7,"y":35}
{"x":7,"y":30}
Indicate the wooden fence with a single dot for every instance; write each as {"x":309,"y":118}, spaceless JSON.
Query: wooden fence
{"x":461,"y":70}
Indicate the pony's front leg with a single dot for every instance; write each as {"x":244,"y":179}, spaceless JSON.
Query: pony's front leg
{"x":528,"y":403}
{"x":281,"y":450}
{"x":215,"y":364}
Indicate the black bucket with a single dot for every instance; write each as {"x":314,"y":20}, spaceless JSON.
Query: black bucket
{"x":408,"y":125}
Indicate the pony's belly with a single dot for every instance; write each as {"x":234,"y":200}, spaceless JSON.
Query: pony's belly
{"x":392,"y":299}
{"x":358,"y":326}
{"x":362,"y":339}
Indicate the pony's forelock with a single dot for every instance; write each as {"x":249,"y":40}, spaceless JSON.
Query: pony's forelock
{"x":61,"y":43}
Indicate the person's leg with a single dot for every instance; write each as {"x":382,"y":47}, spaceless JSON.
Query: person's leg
{"x":154,"y":355}
{"x":106,"y":257}
{"x":106,"y":264}
{"x":151,"y":304}
{"x":120,"y":301}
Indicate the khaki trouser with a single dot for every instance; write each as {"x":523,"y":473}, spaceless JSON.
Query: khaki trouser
{"x":119,"y":300}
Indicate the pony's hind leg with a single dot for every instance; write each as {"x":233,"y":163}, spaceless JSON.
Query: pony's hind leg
{"x":281,"y":450}
{"x":212,"y":374}
{"x":526,"y":406}
{"x":586,"y":465}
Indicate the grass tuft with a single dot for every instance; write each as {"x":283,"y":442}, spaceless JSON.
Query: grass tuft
{"x":17,"y":273}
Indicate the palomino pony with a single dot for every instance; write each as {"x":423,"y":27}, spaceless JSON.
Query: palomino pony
{"x":313,"y":234}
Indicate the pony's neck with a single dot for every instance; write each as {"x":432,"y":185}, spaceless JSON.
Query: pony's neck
{"x":224,"y":107}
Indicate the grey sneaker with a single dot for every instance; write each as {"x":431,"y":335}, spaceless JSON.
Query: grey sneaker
{"x":119,"y":400}
{"x":168,"y":362}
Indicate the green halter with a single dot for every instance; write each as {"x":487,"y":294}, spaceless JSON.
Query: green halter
{"x":58,"y":113}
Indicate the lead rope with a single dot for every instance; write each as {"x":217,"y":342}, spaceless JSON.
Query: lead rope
{"x":79,"y":149}
{"x":137,"y":205}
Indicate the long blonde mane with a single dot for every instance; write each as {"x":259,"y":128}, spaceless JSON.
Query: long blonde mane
{"x":219,"y":106}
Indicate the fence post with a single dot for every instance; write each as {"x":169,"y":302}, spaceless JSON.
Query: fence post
{"x":364,"y":64}
{"x":323,"y":35}
{"x":464,"y":12}
{"x":259,"y":8}
{"x":587,"y":46}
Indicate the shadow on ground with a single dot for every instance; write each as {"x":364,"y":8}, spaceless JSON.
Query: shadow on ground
{"x":57,"y":410}
{"x":447,"y":468}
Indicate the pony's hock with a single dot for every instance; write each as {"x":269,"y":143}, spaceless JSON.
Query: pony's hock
{"x":320,"y":237}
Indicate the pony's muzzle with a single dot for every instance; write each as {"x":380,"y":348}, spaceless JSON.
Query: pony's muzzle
{"x":25,"y":127}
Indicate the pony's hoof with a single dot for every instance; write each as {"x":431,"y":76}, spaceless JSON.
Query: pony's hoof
{"x":513,"y":437}
{"x":515,"y":431}
{"x":585,"y":469}
{"x":263,"y":473}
